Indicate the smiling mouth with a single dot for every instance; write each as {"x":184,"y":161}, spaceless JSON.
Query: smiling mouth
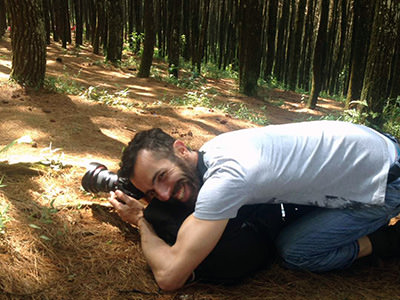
{"x":179,"y":195}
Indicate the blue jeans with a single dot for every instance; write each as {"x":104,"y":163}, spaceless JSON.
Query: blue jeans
{"x":326,"y":239}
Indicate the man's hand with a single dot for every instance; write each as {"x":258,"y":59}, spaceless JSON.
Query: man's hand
{"x":130,"y":210}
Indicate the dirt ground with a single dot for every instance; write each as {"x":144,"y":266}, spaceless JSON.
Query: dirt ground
{"x":62,"y":243}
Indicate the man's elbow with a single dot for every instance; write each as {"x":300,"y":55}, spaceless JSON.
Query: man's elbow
{"x":168,"y":282}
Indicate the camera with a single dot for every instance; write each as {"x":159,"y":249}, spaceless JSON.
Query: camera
{"x":99,"y":179}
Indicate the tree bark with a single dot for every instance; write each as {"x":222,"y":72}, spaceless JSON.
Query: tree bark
{"x":249,"y":46}
{"x":380,"y":54}
{"x":281,"y":41}
{"x":149,"y":39}
{"x":295,"y":50}
{"x":79,"y":22}
{"x":271,"y":35}
{"x":203,"y":32}
{"x":359,"y":50}
{"x":115,"y":31}
{"x":174,"y":11}
{"x":319,"y":56}
{"x":28,"y":41}
{"x":307,"y":49}
{"x":395,"y":73}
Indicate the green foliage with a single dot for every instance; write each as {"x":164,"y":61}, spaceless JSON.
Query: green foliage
{"x":338,"y":98}
{"x":62,"y":85}
{"x":130,"y":62}
{"x":362,"y":115}
{"x":1,"y":182}
{"x":212,"y":71}
{"x":391,"y":114}
{"x":272,"y":83}
{"x":22,"y":140}
{"x":195,"y":98}
{"x":101,"y":95}
{"x":205,"y":98}
{"x":136,"y":41}
{"x":4,"y":218}
{"x":45,"y":216}
{"x":192,"y":82}
{"x":241,"y":111}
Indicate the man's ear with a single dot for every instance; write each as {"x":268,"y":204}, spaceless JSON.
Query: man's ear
{"x":180,"y":148}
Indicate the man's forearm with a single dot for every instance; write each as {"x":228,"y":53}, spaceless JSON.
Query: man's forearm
{"x":160,"y":257}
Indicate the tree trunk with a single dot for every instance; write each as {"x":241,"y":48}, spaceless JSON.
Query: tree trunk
{"x":307,"y":49}
{"x":195,"y":33}
{"x":149,"y":39}
{"x":249,"y":46}
{"x":380,"y":54}
{"x":295,"y":50}
{"x":394,"y":88}
{"x":359,"y":50}
{"x":115,"y":31}
{"x":139,"y":24}
{"x":46,"y":19}
{"x":28,"y":67}
{"x":100,"y":26}
{"x":271,"y":35}
{"x":203,"y":31}
{"x":281,"y":41}
{"x":79,"y":22}
{"x":174,"y":11}
{"x":319,"y":56}
{"x":62,"y":22}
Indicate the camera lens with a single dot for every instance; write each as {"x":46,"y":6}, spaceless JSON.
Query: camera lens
{"x":99,"y":179}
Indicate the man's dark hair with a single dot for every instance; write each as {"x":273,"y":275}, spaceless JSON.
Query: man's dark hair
{"x":154,"y":139}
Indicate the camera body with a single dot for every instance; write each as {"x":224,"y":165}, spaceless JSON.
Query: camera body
{"x":99,"y":179}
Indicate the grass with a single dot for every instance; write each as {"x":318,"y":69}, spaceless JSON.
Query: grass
{"x":63,"y":85}
{"x":361,"y":115}
{"x":93,"y":93}
{"x":4,"y":218}
{"x":206,"y":98}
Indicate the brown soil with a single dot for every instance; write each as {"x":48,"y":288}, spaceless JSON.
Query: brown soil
{"x":62,"y":243}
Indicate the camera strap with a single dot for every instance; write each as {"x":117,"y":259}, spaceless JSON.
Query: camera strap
{"x":201,"y":167}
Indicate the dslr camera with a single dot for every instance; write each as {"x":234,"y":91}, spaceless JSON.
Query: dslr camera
{"x":99,"y":179}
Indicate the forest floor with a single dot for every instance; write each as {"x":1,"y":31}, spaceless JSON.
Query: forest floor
{"x":58,"y":242}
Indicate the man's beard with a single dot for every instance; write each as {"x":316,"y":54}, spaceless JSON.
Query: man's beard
{"x":190,"y":177}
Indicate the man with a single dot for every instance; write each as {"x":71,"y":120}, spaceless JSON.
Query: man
{"x":340,"y":167}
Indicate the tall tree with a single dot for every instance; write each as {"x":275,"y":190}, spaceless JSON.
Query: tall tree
{"x":46,"y":19}
{"x":28,"y":42}
{"x":115,"y":29}
{"x":149,"y":39}
{"x":307,"y":49}
{"x":363,"y":16}
{"x":62,"y":21}
{"x":174,"y":18}
{"x":281,"y":41}
{"x":296,"y":49}
{"x":380,"y":55}
{"x":3,"y":18}
{"x":249,"y":45}
{"x":319,"y":55}
{"x":203,"y":32}
{"x":271,"y":35}
{"x":395,"y":72}
{"x":78,"y":6}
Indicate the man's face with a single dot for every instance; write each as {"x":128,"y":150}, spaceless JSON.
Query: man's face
{"x":165,"y":178}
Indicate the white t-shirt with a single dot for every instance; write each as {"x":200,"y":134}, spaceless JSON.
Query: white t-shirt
{"x":321,"y":163}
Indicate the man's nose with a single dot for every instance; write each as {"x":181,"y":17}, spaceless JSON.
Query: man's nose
{"x":163,"y":192}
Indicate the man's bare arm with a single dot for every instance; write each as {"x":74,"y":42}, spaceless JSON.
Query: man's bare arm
{"x":173,"y":265}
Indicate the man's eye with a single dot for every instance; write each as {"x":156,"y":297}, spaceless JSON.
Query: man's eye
{"x":161,"y":176}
